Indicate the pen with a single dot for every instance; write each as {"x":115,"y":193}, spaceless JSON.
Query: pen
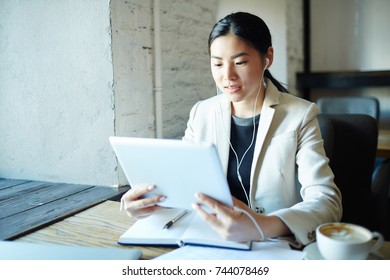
{"x":175,"y":219}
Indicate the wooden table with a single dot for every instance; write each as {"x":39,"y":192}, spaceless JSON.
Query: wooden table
{"x":29,"y":205}
{"x":383,"y":143}
{"x":101,"y":226}
{"x":98,"y":226}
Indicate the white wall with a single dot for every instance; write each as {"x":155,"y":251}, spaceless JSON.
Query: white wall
{"x":132,"y":47}
{"x":374,"y":39}
{"x":56,"y":93}
{"x":186,"y":76}
{"x":352,"y":35}
{"x":66,"y":85}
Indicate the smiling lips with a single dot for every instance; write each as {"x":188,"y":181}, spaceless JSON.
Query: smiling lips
{"x":233,"y":88}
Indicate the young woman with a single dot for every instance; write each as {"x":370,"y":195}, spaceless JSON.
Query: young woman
{"x":269,"y":143}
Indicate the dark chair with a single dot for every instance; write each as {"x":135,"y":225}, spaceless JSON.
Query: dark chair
{"x":381,"y":193}
{"x":349,"y":105}
{"x":350,"y":142}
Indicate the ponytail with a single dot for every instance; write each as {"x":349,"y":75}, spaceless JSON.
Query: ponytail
{"x":279,"y":86}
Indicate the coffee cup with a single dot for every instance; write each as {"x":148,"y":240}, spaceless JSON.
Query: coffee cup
{"x":344,"y":241}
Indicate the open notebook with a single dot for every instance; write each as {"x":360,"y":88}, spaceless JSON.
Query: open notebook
{"x":189,"y":230}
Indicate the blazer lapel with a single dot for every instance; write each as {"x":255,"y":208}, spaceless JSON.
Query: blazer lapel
{"x":267,"y":114}
{"x":223,"y":127}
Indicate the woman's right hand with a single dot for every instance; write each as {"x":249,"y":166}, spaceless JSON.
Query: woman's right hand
{"x":137,"y":205}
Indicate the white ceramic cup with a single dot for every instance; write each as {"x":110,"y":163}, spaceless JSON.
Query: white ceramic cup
{"x":344,"y":241}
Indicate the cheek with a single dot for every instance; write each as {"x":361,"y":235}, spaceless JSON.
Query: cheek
{"x":254,"y":77}
{"x":216,"y":76}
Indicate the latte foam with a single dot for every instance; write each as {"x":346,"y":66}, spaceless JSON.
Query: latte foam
{"x":344,"y":233}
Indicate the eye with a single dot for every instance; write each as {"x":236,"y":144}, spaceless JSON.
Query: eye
{"x":241,"y":62}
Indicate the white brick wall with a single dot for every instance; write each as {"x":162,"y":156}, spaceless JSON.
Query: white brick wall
{"x":186,"y":25}
{"x":186,"y":77}
{"x":294,"y":43}
{"x":132,"y":41}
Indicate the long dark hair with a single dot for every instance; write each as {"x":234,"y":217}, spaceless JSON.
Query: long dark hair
{"x":251,"y":29}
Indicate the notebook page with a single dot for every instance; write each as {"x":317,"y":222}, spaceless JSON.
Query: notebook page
{"x":260,"y":251}
{"x":150,"y":230}
{"x":199,"y":232}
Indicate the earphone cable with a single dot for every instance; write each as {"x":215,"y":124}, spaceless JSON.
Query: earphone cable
{"x":239,"y":162}
{"x":261,"y":233}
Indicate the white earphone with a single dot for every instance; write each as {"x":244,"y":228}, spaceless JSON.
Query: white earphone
{"x":239,"y":162}
{"x":266,"y":63}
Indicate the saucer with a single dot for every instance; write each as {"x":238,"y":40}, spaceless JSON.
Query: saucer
{"x":312,"y":253}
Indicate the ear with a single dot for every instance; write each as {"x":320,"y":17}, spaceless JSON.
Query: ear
{"x":269,"y":56}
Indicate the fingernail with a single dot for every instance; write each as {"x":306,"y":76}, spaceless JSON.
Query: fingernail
{"x":151,"y":188}
{"x":162,"y":198}
{"x":195,"y":206}
{"x":198,"y":196}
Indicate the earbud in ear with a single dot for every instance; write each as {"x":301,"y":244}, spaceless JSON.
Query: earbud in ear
{"x":266,"y":62}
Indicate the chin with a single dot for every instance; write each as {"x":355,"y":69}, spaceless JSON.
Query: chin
{"x":235,"y":98}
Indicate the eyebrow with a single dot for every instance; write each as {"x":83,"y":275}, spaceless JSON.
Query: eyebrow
{"x":234,"y":56}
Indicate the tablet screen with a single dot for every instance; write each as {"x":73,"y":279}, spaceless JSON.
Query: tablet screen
{"x":177,"y":168}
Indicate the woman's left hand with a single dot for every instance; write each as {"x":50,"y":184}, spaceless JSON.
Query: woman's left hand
{"x":229,"y":223}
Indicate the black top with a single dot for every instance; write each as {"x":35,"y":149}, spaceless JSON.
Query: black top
{"x":241,"y":138}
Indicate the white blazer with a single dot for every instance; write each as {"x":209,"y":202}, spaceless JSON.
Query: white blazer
{"x":290,"y":175}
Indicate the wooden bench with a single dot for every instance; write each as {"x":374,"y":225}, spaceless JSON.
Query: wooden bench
{"x":29,"y":205}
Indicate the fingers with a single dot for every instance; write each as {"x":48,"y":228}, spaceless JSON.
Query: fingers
{"x":137,"y":205}
{"x":144,"y":212}
{"x":226,"y":221}
{"x":210,"y":218}
{"x":216,"y":206}
{"x":238,"y":203}
{"x":222,"y":213}
{"x":138,"y":191}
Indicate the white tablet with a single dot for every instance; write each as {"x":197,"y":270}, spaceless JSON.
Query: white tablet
{"x":177,"y":168}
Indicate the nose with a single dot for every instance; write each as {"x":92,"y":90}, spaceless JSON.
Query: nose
{"x":230,"y":73}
